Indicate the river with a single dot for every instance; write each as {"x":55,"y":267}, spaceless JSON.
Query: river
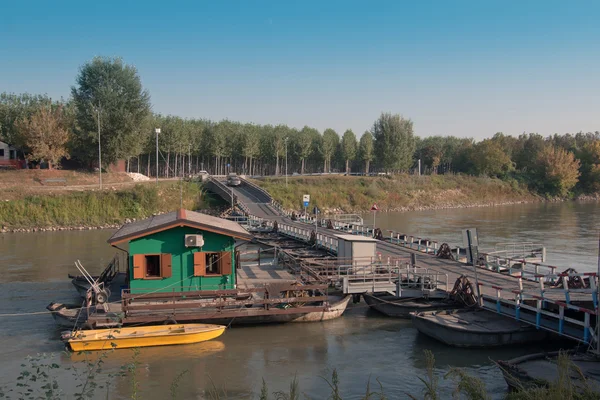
{"x":360,"y":345}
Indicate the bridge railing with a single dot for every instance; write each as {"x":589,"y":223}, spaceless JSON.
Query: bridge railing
{"x":348,"y":219}
{"x":528,"y":250}
{"x":550,"y":318}
{"x":414,"y":242}
{"x":517,"y":266}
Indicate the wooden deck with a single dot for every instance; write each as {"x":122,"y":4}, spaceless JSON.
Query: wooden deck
{"x":252,"y":275}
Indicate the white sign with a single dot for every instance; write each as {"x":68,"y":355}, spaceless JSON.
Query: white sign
{"x":306,"y":198}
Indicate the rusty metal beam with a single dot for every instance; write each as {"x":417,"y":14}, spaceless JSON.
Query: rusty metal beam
{"x":240,"y":313}
{"x":220,"y":304}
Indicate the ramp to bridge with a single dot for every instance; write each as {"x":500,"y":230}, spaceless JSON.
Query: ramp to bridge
{"x":252,"y":199}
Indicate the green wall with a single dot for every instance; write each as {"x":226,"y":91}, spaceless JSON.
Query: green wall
{"x":172,"y":242}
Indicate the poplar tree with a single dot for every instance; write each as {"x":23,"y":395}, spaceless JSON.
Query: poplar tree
{"x":349,"y":148}
{"x":365,"y":149}
{"x":328,"y":147}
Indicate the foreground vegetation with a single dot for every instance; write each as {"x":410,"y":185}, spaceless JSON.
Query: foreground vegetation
{"x":398,"y":192}
{"x":38,"y":379}
{"x":97,"y":208}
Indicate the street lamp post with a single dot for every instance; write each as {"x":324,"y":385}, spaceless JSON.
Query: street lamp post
{"x":157,"y":131}
{"x":286,"y":170}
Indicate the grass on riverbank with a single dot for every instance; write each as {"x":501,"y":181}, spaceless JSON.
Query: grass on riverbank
{"x":97,"y":208}
{"x":395,"y":193}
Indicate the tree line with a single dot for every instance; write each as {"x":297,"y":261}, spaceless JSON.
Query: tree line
{"x":109,"y":106}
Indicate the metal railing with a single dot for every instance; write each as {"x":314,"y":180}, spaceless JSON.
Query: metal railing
{"x":520,"y":250}
{"x":354,"y":219}
{"x":516,"y":266}
{"x":548,"y":312}
{"x":403,"y":281}
{"x":413,"y":242}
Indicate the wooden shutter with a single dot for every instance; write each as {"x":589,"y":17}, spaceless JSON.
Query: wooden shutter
{"x":165,"y":266}
{"x":199,"y":264}
{"x":225,"y":262}
{"x":139,"y":266}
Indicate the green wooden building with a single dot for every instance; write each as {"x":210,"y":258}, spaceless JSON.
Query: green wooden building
{"x":180,"y":251}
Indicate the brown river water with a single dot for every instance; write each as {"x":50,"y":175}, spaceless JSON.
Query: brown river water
{"x":360,"y":345}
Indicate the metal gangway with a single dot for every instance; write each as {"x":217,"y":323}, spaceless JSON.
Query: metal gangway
{"x":401,"y":281}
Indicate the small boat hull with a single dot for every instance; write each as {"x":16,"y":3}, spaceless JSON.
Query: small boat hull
{"x":541,"y":369}
{"x":393,"y":306}
{"x":159,"y":335}
{"x":335,"y":310}
{"x":474,"y":328}
{"x":68,"y":315}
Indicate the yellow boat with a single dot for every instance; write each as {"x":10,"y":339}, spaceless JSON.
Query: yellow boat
{"x":143,"y":336}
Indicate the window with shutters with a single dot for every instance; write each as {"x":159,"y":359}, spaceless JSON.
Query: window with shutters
{"x":151,"y":266}
{"x":212,"y":263}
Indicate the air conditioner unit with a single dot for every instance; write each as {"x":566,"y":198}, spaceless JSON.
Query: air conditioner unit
{"x":194,"y":241}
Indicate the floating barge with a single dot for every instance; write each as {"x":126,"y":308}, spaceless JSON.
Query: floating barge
{"x":185,"y":267}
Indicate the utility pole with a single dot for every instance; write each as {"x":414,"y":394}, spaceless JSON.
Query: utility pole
{"x":316,"y":210}
{"x":181,"y":185}
{"x":157,"y":131}
{"x":99,"y":151}
{"x":286,"y":170}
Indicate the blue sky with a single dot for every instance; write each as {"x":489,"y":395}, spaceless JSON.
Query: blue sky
{"x":464,"y":68}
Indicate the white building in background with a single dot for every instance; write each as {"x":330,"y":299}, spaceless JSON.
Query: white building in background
{"x":8,"y":156}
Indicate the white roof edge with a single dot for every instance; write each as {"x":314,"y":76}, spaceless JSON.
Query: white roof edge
{"x":355,"y":238}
